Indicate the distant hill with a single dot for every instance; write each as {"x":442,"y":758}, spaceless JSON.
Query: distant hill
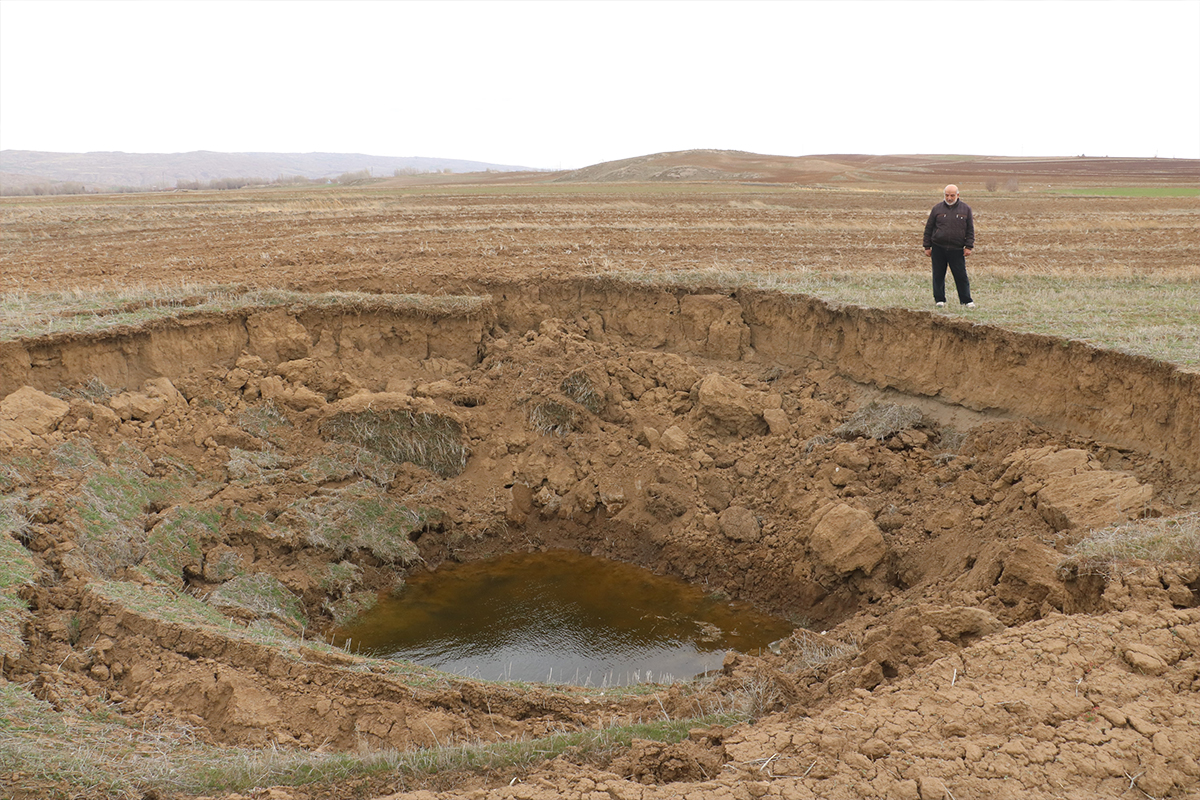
{"x":161,"y":170}
{"x":73,"y":172}
{"x":738,"y":166}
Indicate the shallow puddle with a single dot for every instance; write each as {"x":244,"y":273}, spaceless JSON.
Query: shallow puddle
{"x":559,"y":617}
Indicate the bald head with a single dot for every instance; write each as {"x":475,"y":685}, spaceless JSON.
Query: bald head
{"x":951,"y":194}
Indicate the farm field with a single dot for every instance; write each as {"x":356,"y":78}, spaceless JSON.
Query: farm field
{"x":230,"y":420}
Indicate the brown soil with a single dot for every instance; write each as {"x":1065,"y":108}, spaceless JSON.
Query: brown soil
{"x":719,"y":436}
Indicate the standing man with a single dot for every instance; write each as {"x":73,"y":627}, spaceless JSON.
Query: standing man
{"x":949,"y":239}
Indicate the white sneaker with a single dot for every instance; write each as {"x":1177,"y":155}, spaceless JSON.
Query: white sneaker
{"x":940,"y":305}
{"x":971,"y":305}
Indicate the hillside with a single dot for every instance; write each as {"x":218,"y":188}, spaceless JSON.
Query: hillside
{"x":110,"y":169}
{"x":733,"y":165}
{"x":20,"y":169}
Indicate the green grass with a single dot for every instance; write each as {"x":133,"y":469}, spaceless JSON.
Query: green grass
{"x":360,"y":516}
{"x":175,"y":542}
{"x":351,"y":606}
{"x":171,"y":605}
{"x":1131,"y":191}
{"x":1142,"y":316}
{"x":262,"y":595}
{"x":256,"y":466}
{"x":67,"y":753}
{"x":339,"y":462}
{"x":112,"y":505}
{"x":17,"y":569}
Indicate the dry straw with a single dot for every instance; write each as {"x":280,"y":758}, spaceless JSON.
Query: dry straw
{"x":1122,"y":548}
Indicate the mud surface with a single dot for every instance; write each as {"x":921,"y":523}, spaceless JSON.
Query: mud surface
{"x":240,"y":484}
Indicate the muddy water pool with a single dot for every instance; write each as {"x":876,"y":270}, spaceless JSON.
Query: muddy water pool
{"x":559,"y":617}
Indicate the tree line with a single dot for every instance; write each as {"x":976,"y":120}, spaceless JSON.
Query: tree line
{"x":216,"y":184}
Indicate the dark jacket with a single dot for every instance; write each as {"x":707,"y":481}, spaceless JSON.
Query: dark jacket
{"x":950,"y":226}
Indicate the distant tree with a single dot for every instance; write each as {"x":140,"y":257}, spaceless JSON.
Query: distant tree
{"x":991,"y":184}
{"x":351,"y":177}
{"x":1011,"y":185}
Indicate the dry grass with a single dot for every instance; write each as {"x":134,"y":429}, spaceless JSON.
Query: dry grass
{"x":806,"y":650}
{"x":432,"y":441}
{"x":360,"y":516}
{"x":79,"y":312}
{"x":341,"y":461}
{"x":1097,"y":269}
{"x":551,"y":418}
{"x":17,"y":569}
{"x":580,"y":387}
{"x":879,"y":421}
{"x":1121,"y":548}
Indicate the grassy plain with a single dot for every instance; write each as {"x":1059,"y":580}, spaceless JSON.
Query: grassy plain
{"x":1102,"y":266}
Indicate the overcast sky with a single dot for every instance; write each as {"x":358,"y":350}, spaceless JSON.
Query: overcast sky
{"x":567,"y":84}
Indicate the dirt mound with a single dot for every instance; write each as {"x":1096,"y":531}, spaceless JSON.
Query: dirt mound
{"x":228,"y":487}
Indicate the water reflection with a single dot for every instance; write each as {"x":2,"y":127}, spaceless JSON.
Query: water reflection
{"x":560,"y":617}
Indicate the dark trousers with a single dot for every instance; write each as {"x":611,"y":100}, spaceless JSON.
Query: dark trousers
{"x":953,"y":258}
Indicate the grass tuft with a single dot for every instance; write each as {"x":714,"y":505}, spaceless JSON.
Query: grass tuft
{"x":879,"y":421}
{"x":17,"y":569}
{"x":432,"y":441}
{"x":175,"y":543}
{"x":579,"y":387}
{"x":262,"y":595}
{"x":263,"y":420}
{"x":250,"y":466}
{"x":551,"y":417}
{"x":1116,"y":549}
{"x":359,"y":516}
{"x":93,"y":390}
{"x":812,"y":650}
{"x":340,"y":462}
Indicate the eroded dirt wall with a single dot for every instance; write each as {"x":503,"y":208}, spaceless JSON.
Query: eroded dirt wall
{"x":366,"y":344}
{"x":1130,"y":401}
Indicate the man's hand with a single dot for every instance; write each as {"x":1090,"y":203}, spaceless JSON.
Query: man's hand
{"x":966,"y":251}
{"x":928,"y":251}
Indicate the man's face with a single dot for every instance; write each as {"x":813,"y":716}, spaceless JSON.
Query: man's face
{"x":951,"y":195}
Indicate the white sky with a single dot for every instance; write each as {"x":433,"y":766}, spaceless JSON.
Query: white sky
{"x":567,"y":84}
